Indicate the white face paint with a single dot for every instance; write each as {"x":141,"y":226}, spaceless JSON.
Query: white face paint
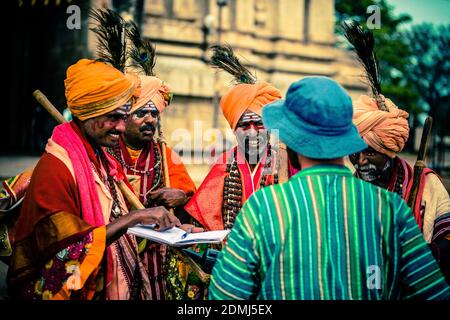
{"x":124,"y":109}
{"x":370,"y":172}
{"x":367,"y":173}
{"x":251,"y":136}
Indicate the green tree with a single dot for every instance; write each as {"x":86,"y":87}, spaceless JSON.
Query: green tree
{"x":391,"y":48}
{"x":428,"y":71}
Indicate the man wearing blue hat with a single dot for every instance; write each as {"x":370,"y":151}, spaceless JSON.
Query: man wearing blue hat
{"x":324,"y":234}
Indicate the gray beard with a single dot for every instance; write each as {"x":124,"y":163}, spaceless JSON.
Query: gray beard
{"x":370,"y":172}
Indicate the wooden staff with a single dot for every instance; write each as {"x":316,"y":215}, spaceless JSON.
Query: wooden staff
{"x":128,"y":194}
{"x":162,"y":145}
{"x":283,"y":163}
{"x":420,"y":163}
{"x":42,"y":99}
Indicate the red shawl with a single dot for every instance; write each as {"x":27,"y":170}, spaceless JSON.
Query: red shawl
{"x":206,"y":204}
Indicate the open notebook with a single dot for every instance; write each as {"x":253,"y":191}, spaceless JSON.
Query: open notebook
{"x":174,"y":236}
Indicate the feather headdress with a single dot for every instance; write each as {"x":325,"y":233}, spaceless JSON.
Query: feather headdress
{"x":142,"y":52}
{"x":363,"y":45}
{"x":224,"y":58}
{"x":111,"y":40}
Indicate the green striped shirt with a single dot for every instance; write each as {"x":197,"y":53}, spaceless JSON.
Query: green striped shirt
{"x":325,"y":234}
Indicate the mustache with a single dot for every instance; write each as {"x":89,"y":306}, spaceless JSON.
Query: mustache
{"x":147,"y":127}
{"x":366,"y":168}
{"x":367,"y":172}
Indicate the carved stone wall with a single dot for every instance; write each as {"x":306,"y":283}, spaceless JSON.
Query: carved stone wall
{"x":281,"y":40}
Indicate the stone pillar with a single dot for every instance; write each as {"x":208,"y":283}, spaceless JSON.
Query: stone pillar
{"x":289,"y":19}
{"x":155,"y":7}
{"x":244,"y":15}
{"x":226,"y":14}
{"x":321,"y":21}
{"x":186,"y":9}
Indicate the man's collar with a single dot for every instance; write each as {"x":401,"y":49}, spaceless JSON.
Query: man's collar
{"x":325,"y":169}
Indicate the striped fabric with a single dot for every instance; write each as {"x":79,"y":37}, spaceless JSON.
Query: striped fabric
{"x":326,"y":235}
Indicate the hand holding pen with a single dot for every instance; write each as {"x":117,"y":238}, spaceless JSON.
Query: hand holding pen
{"x":189,"y":228}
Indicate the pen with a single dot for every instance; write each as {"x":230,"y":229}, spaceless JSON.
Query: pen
{"x":186,"y":233}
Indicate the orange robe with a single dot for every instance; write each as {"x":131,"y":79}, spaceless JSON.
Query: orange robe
{"x":144,"y":161}
{"x":207,"y":203}
{"x":55,"y":242}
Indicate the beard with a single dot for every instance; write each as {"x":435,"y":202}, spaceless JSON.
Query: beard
{"x":370,"y":172}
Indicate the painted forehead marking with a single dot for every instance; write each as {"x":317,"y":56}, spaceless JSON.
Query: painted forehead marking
{"x":250,"y":116}
{"x":148,"y":107}
{"x":124,"y":109}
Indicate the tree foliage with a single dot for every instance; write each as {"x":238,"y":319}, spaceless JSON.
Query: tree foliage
{"x":391,"y":48}
{"x":414,"y":62}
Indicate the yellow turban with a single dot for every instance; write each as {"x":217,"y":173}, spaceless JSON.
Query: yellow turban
{"x":95,"y":88}
{"x":247,"y":96}
{"x":152,"y":89}
{"x":384,"y":131}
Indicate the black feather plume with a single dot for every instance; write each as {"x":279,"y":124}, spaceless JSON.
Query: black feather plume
{"x":111,"y":40}
{"x":363,"y":44}
{"x":224,"y":58}
{"x":142,"y":52}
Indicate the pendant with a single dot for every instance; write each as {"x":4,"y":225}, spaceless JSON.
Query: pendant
{"x":116,"y":210}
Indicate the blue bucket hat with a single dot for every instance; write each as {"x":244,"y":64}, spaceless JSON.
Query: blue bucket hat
{"x":315,"y":119}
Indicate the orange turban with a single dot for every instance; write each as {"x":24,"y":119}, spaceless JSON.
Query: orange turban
{"x":247,"y":96}
{"x":152,"y":89}
{"x":95,"y":88}
{"x":384,"y":131}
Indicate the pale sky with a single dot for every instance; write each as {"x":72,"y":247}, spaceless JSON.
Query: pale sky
{"x":432,"y":11}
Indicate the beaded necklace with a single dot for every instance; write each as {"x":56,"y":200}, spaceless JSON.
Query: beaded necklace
{"x":398,"y":188}
{"x":119,"y":158}
{"x":158,"y":176}
{"x":116,"y":210}
{"x":232,"y":188}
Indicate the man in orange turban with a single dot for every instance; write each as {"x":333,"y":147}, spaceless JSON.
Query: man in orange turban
{"x":243,"y":169}
{"x":71,"y":239}
{"x":246,"y":167}
{"x":139,"y":153}
{"x":140,"y":156}
{"x":386,"y":133}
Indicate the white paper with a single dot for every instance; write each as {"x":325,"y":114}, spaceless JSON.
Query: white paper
{"x":174,"y":236}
